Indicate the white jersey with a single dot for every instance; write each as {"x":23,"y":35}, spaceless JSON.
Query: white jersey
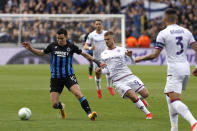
{"x":175,"y":39}
{"x":98,"y":41}
{"x":115,"y":60}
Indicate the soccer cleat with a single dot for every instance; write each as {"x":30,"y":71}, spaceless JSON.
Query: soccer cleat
{"x":111,"y":91}
{"x":194,"y":127}
{"x":145,"y":103}
{"x":99,"y":94}
{"x":149,"y":116}
{"x":62,"y":111}
{"x":90,"y":77}
{"x":93,"y":116}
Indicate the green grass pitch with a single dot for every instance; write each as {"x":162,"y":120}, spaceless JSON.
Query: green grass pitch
{"x":28,"y":86}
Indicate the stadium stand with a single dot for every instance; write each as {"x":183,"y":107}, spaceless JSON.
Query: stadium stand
{"x":137,"y":23}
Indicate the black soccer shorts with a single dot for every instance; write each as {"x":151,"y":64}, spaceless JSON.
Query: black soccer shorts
{"x":57,"y":84}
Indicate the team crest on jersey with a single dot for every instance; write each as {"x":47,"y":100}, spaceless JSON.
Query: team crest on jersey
{"x":118,"y":50}
{"x":68,"y":49}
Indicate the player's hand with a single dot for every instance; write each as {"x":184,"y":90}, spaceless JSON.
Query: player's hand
{"x":98,"y":70}
{"x":93,"y":47}
{"x":103,"y":65}
{"x":129,"y":53}
{"x":26,"y":45}
{"x":138,"y":59}
{"x":195,"y":72}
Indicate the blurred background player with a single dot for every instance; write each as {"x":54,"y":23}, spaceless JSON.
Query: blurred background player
{"x":96,"y":38}
{"x":90,"y":52}
{"x":175,"y":40}
{"x":62,"y":73}
{"x":124,"y":81}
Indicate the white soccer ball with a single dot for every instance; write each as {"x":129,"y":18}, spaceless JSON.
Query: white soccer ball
{"x":24,"y":113}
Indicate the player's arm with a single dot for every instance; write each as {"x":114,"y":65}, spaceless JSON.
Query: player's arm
{"x":33,"y":50}
{"x":194,"y":46}
{"x":151,"y":56}
{"x":129,"y":53}
{"x":87,"y":47}
{"x":90,"y":58}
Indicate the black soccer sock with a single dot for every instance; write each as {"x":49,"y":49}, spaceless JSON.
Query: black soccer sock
{"x":90,"y":69}
{"x":59,"y":106}
{"x":85,"y":105}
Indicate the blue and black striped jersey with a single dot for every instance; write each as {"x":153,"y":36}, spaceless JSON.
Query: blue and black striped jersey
{"x":62,"y":59}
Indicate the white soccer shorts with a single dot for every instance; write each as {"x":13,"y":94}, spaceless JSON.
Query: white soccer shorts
{"x":176,"y":84}
{"x":131,"y":82}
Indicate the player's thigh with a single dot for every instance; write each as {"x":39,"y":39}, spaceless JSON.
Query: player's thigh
{"x":135,"y":83}
{"x":75,"y":89}
{"x":122,"y":88}
{"x":174,"y":84}
{"x":56,"y":85}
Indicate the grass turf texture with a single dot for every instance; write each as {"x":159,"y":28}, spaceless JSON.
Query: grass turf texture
{"x":28,"y":86}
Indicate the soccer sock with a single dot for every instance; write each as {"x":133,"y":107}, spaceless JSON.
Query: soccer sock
{"x":140,"y":97}
{"x":141,"y":106}
{"x":90,"y":69}
{"x":98,"y":83}
{"x":108,"y":79}
{"x":85,"y":105}
{"x":183,"y":110}
{"x":59,"y":106}
{"x":173,"y":116}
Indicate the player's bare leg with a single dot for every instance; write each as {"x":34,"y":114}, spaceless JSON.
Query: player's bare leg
{"x":132,"y":95}
{"x":75,"y":89}
{"x":98,"y":84}
{"x":57,"y":104}
{"x":181,"y":108}
{"x":144,"y":94}
{"x":109,"y":84}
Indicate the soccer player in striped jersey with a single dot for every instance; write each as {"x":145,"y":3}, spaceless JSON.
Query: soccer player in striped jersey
{"x":62,"y":73}
{"x":96,"y":39}
{"x":175,"y":40}
{"x":124,"y":81}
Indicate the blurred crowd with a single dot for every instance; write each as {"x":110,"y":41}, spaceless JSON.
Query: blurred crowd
{"x":140,"y":31}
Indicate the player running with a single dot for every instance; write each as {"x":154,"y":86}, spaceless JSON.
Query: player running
{"x":96,"y":38}
{"x":62,"y":73}
{"x":123,"y":79}
{"x":175,"y":40}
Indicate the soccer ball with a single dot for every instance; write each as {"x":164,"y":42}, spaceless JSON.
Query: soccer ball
{"x":24,"y":113}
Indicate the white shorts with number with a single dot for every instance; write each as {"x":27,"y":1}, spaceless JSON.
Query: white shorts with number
{"x":176,"y":84}
{"x":131,"y":82}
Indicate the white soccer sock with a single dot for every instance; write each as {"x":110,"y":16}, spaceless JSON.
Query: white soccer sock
{"x":183,"y":110}
{"x":108,"y":79}
{"x":98,"y":83}
{"x":173,"y":116}
{"x":141,"y":106}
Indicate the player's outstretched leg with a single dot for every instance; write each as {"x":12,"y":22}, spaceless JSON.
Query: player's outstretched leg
{"x":87,"y":109}
{"x":183,"y":110}
{"x":98,"y":84}
{"x":90,"y":71}
{"x":109,"y":85}
{"x":139,"y":104}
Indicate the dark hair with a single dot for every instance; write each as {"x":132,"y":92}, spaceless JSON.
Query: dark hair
{"x":171,"y":11}
{"x":108,"y":33}
{"x":98,"y":20}
{"x":62,"y":31}
{"x":171,"y":15}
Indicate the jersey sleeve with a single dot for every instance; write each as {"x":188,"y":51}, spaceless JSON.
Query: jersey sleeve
{"x":191,"y":40}
{"x":160,"y":41}
{"x":89,"y":39}
{"x":48,"y":49}
{"x":76,"y":49}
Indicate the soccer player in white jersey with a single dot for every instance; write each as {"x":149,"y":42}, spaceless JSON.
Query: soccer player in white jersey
{"x":175,"y":40}
{"x":123,"y":80}
{"x":96,"y":38}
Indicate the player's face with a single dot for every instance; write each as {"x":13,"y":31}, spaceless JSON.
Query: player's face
{"x":98,"y":25}
{"x":109,"y":40}
{"x":61,"y":39}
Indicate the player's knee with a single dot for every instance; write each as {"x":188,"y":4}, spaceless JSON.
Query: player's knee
{"x":55,"y":105}
{"x":146,"y":94}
